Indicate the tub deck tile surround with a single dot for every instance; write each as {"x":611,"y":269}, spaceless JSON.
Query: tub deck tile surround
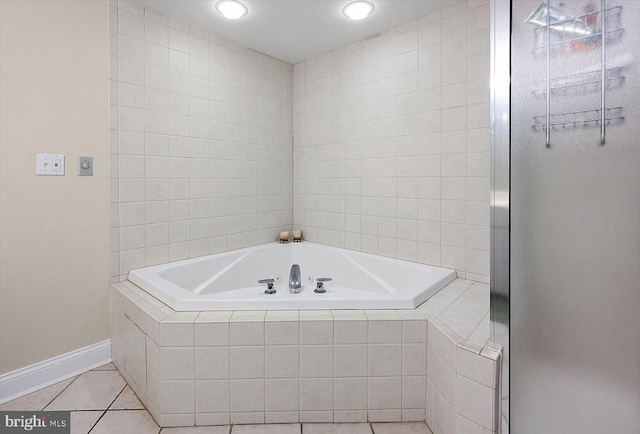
{"x":126,"y":414}
{"x":220,"y":367}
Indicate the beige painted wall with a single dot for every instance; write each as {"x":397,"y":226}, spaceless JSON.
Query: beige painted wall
{"x":53,"y":230}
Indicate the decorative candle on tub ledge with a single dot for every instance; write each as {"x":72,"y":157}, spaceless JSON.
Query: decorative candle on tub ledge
{"x":284,"y":237}
{"x":297,"y":235}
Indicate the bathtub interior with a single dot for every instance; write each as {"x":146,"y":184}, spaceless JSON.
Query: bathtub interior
{"x":192,"y":274}
{"x":239,"y":270}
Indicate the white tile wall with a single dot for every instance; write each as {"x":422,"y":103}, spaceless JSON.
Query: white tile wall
{"x":365,"y":177}
{"x":201,"y":142}
{"x":391,"y":143}
{"x":461,"y":369}
{"x":223,"y":367}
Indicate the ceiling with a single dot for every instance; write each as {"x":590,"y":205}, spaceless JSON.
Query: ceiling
{"x":295,"y":30}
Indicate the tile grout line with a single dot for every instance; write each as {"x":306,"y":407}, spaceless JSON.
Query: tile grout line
{"x":114,"y":400}
{"x":119,"y":410}
{"x":96,"y":422}
{"x":54,"y":398}
{"x":120,"y":393}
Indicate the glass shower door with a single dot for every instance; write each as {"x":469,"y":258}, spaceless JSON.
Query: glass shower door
{"x":575,"y":217}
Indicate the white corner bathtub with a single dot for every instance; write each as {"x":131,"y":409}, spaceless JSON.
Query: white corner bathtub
{"x":229,"y":280}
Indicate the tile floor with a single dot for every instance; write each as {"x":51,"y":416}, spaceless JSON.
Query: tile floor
{"x":101,"y":402}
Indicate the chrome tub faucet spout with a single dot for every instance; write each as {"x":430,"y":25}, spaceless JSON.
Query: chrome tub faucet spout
{"x":295,"y":281}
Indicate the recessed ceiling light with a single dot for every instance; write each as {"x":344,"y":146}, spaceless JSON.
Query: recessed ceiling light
{"x":358,"y":10}
{"x":231,"y":9}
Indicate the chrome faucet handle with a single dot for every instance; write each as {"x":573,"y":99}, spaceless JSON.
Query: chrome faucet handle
{"x":320,"y":285}
{"x":269,"y":283}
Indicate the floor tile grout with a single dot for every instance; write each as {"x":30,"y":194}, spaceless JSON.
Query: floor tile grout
{"x":65,"y":388}
{"x":114,"y":410}
{"x":96,"y":422}
{"x":116,"y":398}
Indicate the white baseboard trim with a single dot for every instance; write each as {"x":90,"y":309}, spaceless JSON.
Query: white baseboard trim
{"x":39,"y":375}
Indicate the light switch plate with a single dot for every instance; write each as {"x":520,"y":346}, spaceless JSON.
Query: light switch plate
{"x":50,"y":164}
{"x":85,"y":166}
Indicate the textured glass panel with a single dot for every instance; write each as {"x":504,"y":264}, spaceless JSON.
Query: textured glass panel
{"x":575,"y":224}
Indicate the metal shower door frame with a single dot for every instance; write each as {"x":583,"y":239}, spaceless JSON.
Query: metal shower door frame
{"x":499,"y":198}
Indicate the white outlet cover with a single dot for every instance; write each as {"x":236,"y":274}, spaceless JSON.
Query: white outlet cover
{"x":50,"y":164}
